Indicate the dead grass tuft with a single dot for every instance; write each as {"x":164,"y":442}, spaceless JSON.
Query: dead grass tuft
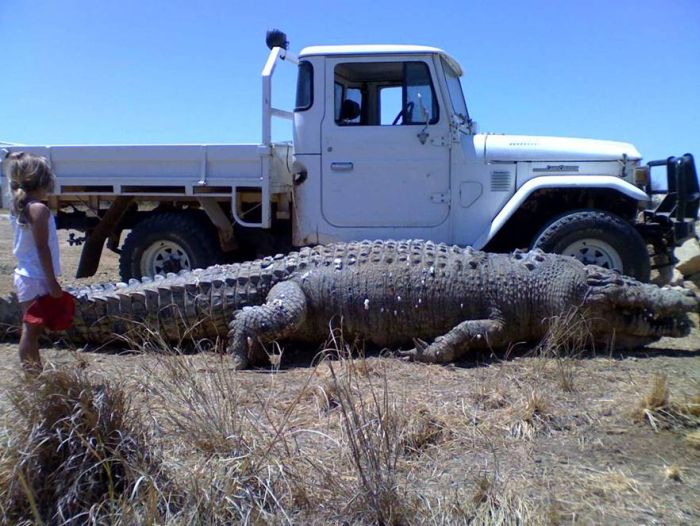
{"x":74,"y":452}
{"x":326,"y":395}
{"x":567,"y":336}
{"x":531,"y":418}
{"x":657,"y":408}
{"x":690,"y":407}
{"x":657,"y":397}
{"x":373,"y":437}
{"x":482,"y":491}
{"x":325,"y":385}
{"x":693,"y":439}
{"x":495,"y":502}
{"x":613,"y":482}
{"x":421,"y":429}
{"x":202,"y":409}
{"x":674,"y":472}
{"x":490,"y":397}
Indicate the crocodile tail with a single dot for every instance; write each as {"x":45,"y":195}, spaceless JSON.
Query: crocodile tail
{"x":10,"y":316}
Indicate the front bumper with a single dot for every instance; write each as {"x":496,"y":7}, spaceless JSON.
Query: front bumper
{"x":674,"y":217}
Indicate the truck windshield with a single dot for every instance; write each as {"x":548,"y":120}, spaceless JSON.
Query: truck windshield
{"x":455,"y":89}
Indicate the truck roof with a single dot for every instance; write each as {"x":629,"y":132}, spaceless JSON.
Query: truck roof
{"x":374,"y":49}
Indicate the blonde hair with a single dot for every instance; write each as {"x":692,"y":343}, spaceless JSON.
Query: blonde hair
{"x":26,"y":173}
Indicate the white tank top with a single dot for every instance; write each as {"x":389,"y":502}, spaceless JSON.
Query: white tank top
{"x":25,"y":251}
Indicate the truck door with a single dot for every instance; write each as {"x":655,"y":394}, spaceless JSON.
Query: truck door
{"x":385,"y":145}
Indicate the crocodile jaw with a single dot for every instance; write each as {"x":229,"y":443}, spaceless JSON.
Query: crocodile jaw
{"x":638,"y":313}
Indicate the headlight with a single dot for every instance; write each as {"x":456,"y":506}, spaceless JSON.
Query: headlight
{"x":641,"y":176}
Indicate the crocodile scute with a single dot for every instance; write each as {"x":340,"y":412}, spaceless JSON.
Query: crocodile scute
{"x":438,"y":301}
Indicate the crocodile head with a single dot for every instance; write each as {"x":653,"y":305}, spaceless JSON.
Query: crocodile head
{"x":636,"y":313}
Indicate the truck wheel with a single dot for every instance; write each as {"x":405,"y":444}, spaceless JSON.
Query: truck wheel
{"x":168,"y":242}
{"x":597,"y":238}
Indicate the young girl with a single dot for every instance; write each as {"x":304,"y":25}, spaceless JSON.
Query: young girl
{"x":35,"y":244}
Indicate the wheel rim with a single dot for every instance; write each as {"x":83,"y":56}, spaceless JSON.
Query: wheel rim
{"x":595,"y":252}
{"x":163,"y":257}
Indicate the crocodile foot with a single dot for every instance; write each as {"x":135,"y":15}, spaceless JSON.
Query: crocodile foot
{"x":239,"y":362}
{"x":422,"y":352}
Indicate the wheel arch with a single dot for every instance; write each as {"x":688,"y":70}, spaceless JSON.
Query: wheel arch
{"x":539,"y":201}
{"x":196,"y":214}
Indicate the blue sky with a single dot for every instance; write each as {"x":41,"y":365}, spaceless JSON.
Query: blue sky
{"x":121,"y":72}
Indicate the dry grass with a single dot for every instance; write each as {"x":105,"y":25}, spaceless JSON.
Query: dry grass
{"x":657,"y":398}
{"x":349,"y":440}
{"x":691,"y":407}
{"x":567,"y":337}
{"x":499,"y":502}
{"x":75,"y":452}
{"x":674,"y":472}
{"x":263,"y":457}
{"x":373,"y":434}
{"x":693,"y":439}
{"x":236,"y":455}
{"x":657,"y":408}
{"x":531,"y":417}
{"x":201,"y":409}
{"x":236,"y":447}
{"x":613,"y":483}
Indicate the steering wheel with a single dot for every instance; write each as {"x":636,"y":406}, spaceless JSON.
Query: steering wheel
{"x":404,"y":111}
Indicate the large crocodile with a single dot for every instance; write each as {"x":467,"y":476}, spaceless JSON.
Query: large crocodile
{"x":391,"y":293}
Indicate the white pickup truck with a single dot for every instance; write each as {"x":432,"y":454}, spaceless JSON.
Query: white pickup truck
{"x":383,"y":147}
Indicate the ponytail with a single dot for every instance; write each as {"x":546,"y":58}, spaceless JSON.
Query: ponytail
{"x":18,"y":204}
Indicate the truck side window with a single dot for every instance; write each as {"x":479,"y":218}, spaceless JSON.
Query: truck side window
{"x":353,"y":110}
{"x":348,"y":105}
{"x":384,"y":94}
{"x":420,"y":102}
{"x":305,"y":86}
{"x":390,"y":103}
{"x":338,"y":96}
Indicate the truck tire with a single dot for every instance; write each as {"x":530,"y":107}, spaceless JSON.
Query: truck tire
{"x":597,"y":238}
{"x":168,"y":242}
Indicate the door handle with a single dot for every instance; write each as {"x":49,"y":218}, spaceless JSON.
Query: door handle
{"x":342,"y":167}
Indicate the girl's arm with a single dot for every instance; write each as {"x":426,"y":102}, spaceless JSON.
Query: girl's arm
{"x":39,"y":215}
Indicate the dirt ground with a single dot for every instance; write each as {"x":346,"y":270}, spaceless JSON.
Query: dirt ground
{"x":538,"y":439}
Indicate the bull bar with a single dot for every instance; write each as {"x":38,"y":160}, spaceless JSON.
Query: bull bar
{"x":677,"y":212}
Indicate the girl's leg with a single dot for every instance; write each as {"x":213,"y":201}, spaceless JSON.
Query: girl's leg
{"x":29,"y":345}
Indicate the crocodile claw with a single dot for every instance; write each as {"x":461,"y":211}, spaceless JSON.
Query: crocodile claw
{"x":408,"y":356}
{"x":421,"y":345}
{"x":417,"y":352}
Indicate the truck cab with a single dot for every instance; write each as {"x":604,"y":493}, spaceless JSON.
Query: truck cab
{"x":377,"y":144}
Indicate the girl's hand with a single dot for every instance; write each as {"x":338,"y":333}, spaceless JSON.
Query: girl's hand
{"x":55,"y":289}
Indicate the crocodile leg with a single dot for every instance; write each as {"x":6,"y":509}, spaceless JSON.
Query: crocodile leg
{"x":470,"y":334}
{"x":279,"y":317}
